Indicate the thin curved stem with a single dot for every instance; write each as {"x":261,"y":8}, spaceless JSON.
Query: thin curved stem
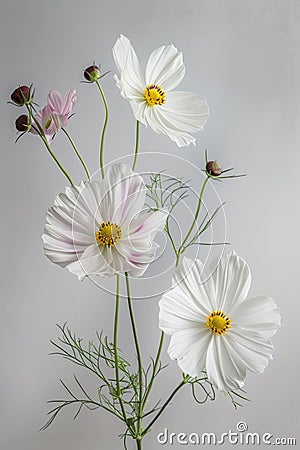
{"x":137,"y":142}
{"x":196,"y":216}
{"x":182,"y":383}
{"x":104,"y":127}
{"x":77,"y":153}
{"x":138,"y":352}
{"x":170,"y":236}
{"x":156,"y":362}
{"x":44,"y":139}
{"x":116,"y":326}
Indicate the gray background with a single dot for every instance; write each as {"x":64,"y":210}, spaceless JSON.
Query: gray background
{"x":243,"y":56}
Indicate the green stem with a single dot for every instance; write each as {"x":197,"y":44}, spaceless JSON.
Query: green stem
{"x":42,"y":135}
{"x":116,"y":323}
{"x":170,"y":237}
{"x":137,"y":141}
{"x":182,"y":383}
{"x":77,"y":153}
{"x":156,"y":362}
{"x":138,"y":352}
{"x":104,"y":127}
{"x":139,"y":444}
{"x":195,"y":218}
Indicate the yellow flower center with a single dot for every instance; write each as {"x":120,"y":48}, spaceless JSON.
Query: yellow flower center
{"x":108,"y":234}
{"x":218,"y":322}
{"x":155,"y":95}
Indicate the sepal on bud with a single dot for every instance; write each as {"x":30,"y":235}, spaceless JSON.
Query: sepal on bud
{"x":215,"y":171}
{"x":22,"y":95}
{"x":23,"y":123}
{"x":92,"y":73}
{"x":213,"y":168}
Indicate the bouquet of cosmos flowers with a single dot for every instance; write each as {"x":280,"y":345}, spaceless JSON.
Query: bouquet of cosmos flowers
{"x":107,"y":226}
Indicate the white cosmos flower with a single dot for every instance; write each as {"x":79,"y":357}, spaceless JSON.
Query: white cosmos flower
{"x":97,"y":228}
{"x":153,"y":101}
{"x":214,"y":326}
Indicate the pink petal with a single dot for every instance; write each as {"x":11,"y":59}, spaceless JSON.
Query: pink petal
{"x":68,"y":103}
{"x":55,"y":102}
{"x":147,"y":224}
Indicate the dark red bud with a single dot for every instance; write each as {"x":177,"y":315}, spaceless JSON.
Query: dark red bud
{"x":213,"y":168}
{"x":92,"y":73}
{"x":22,"y":123}
{"x":21,"y":95}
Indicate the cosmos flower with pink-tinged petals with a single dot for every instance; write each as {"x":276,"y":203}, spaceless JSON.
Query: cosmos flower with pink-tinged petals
{"x":98,"y":228}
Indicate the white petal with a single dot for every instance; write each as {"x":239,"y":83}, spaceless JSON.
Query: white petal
{"x":82,"y":202}
{"x":253,"y":348}
{"x":232,"y":281}
{"x":138,"y":247}
{"x":130,"y":82}
{"x":67,"y":233}
{"x":258,"y":314}
{"x":192,"y":279}
{"x":139,"y":251}
{"x":177,"y":312}
{"x":120,"y":262}
{"x":62,"y":218}
{"x":136,"y":269}
{"x":145,"y":226}
{"x":158,"y":120}
{"x":123,"y":196}
{"x":60,"y":251}
{"x":139,"y":108}
{"x":94,"y":261}
{"x":165,"y":68}
{"x":185,"y":111}
{"x":224,"y":367}
{"x":189,"y":347}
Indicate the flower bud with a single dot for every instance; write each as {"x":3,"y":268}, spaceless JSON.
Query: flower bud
{"x":21,"y":96}
{"x":213,"y":168}
{"x":92,"y":73}
{"x":22,"y":123}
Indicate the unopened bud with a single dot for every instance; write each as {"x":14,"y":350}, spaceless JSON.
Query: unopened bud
{"x":21,"y":96}
{"x":213,"y":168}
{"x":92,"y":73}
{"x":22,"y":123}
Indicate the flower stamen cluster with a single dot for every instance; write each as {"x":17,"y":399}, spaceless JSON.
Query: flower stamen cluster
{"x":218,"y":322}
{"x":155,"y":95}
{"x":108,"y":234}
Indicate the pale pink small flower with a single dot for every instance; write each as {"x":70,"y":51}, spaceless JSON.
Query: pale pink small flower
{"x":56,"y":113}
